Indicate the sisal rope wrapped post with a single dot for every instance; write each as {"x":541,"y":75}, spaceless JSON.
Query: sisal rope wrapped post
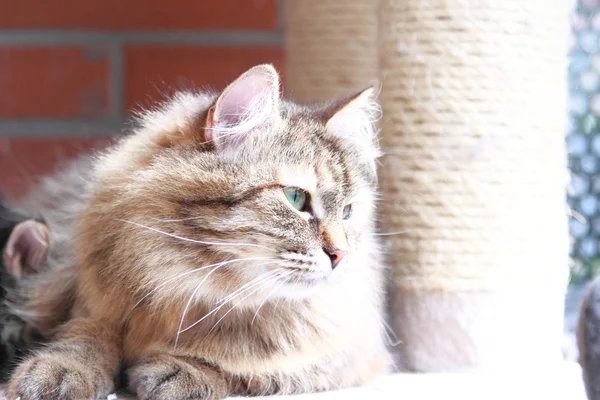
{"x":331,"y":48}
{"x":474,"y":105}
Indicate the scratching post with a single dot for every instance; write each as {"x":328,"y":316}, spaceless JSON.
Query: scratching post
{"x":475,"y":173}
{"x":473,"y":96}
{"x":330,"y":48}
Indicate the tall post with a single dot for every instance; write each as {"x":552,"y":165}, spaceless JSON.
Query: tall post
{"x":474,"y":105}
{"x":330,"y":48}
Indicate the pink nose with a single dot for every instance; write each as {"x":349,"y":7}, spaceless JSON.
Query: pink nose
{"x":336,"y":256}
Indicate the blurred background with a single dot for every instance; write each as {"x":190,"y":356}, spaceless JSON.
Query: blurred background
{"x":583,"y":140}
{"x":72,"y":72}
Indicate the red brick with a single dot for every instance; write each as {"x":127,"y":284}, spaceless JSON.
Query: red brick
{"x":53,"y":82}
{"x":139,"y":14}
{"x":152,"y":71}
{"x":24,"y":161}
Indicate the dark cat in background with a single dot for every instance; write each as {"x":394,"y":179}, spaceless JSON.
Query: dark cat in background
{"x":24,"y":243}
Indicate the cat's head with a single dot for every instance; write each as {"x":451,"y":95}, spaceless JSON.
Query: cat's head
{"x":243,"y":188}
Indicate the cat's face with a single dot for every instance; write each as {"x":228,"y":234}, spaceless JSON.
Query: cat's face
{"x":286,"y":190}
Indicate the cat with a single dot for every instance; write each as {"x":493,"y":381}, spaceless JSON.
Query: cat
{"x":25,"y":245}
{"x":13,"y":258}
{"x":225,"y":247}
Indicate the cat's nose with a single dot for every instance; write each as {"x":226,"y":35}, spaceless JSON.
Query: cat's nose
{"x":336,"y":256}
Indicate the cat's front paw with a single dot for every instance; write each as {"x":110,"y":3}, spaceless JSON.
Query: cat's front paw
{"x":167,"y":377}
{"x":53,"y":377}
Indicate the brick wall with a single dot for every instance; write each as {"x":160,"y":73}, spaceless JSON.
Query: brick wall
{"x":71,"y":71}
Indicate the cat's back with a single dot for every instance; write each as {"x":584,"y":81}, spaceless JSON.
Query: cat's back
{"x":60,"y":196}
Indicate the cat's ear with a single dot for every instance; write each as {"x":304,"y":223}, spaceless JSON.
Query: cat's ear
{"x":26,"y":248}
{"x":251,"y":101}
{"x":354,"y":118}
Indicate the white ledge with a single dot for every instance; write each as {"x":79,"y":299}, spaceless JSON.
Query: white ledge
{"x":562,"y":383}
{"x":565,"y":383}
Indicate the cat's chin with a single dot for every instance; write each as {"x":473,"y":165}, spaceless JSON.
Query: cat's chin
{"x":303,"y":287}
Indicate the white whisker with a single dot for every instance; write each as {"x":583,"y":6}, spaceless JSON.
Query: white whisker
{"x":391,"y":233}
{"x":184,"y":274}
{"x":192,"y":240}
{"x":294,"y":290}
{"x":279,"y":299}
{"x":265,"y":300}
{"x":391,"y":335}
{"x":231,"y":297}
{"x":248,"y":295}
{"x":176,"y":220}
{"x":261,"y":277}
{"x":187,"y":306}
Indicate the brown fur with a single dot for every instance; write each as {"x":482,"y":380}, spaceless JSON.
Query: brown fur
{"x":289,"y":336}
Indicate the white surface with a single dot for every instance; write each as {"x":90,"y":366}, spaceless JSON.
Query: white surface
{"x":561,"y":383}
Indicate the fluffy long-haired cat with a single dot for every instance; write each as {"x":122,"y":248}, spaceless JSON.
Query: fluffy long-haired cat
{"x":226,"y":247}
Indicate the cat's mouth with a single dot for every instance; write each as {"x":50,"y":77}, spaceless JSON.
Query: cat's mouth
{"x":313,"y":280}
{"x":301,"y":283}
{"x":304,"y":271}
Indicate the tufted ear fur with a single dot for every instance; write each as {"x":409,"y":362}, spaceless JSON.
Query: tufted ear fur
{"x":354,"y":118}
{"x":250,"y":102}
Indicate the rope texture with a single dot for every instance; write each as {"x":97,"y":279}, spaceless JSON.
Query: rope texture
{"x":330,"y":48}
{"x":475,"y":172}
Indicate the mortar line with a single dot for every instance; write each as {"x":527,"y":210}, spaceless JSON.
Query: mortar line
{"x":117,"y":81}
{"x":200,"y":38}
{"x":46,"y":128}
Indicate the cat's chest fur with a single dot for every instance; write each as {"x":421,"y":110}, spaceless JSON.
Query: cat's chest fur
{"x":284,"y":338}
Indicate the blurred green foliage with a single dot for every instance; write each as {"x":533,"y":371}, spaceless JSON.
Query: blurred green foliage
{"x":584,"y":270}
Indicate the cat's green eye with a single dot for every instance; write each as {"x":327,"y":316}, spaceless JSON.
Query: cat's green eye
{"x":296,"y":197}
{"x":347,"y":213}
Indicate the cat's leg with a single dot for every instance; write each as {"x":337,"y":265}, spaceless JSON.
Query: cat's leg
{"x":165,"y":376}
{"x":81,"y":364}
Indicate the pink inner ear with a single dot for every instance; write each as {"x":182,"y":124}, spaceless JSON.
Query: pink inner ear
{"x":27,"y":247}
{"x":248,"y":103}
{"x":245,"y":97}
